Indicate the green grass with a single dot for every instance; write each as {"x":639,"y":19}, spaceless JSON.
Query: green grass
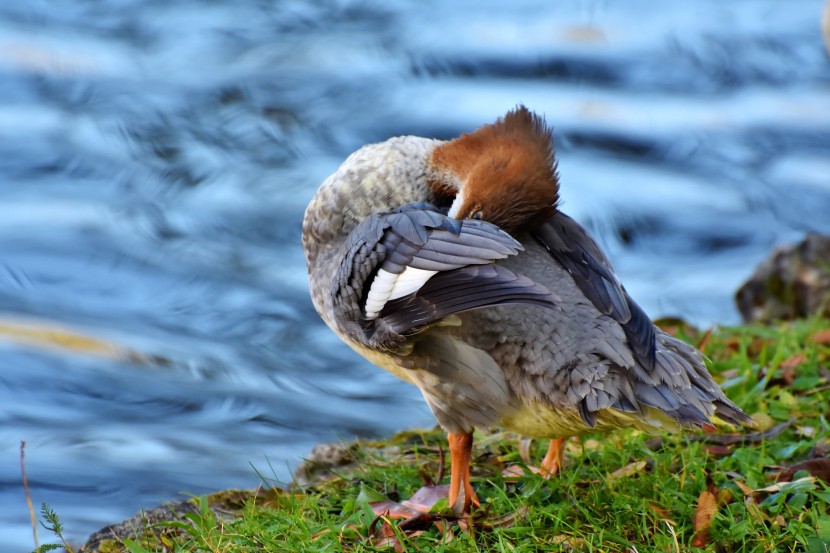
{"x":776,"y":374}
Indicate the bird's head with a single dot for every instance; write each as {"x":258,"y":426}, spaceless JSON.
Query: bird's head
{"x":504,"y":173}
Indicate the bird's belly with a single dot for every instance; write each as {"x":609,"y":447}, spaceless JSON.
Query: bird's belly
{"x":539,"y":420}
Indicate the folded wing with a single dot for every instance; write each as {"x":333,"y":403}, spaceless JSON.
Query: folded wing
{"x":575,"y":250}
{"x":413,"y":266}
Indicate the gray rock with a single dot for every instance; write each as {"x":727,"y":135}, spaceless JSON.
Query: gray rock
{"x":793,"y":282}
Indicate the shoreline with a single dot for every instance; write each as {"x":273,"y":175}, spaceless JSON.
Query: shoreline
{"x":778,"y":372}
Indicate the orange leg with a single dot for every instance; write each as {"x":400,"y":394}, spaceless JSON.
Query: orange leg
{"x":553,"y":458}
{"x":461,"y":494}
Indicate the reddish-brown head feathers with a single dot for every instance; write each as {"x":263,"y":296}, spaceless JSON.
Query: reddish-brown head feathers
{"x":507,"y":171}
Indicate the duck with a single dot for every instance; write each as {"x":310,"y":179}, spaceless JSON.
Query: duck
{"x":449,"y":264}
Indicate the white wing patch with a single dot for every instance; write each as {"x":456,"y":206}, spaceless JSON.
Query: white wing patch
{"x":456,"y":205}
{"x":409,"y":281}
{"x":388,"y":286}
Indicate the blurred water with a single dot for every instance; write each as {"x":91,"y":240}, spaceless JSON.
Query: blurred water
{"x":155,"y":159}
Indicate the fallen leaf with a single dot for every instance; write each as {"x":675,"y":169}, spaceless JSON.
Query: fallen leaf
{"x":628,"y":470}
{"x":661,"y":512}
{"x":707,"y":506}
{"x":746,"y":490}
{"x":775,"y":488}
{"x":757,"y":346}
{"x":427,"y":497}
{"x":419,"y":523}
{"x":718,"y":450}
{"x":732,"y":343}
{"x":393,"y":509}
{"x":704,"y":342}
{"x":348,"y":533}
{"x":793,"y":362}
{"x":820,"y":468}
{"x":383,"y":533}
{"x":788,"y":367}
{"x":421,"y":502}
{"x":821,"y":337}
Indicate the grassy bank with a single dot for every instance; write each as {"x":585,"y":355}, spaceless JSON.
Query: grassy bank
{"x":625,"y":491}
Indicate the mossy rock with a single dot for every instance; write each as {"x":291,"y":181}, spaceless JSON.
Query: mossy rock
{"x":793,"y":282}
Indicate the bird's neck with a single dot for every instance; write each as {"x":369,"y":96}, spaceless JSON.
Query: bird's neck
{"x":376,"y":178}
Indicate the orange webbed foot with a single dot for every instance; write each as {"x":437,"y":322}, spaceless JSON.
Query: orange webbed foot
{"x":551,"y":463}
{"x":459,"y":493}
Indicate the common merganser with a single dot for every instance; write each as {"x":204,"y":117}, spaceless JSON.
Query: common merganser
{"x":449,"y":264}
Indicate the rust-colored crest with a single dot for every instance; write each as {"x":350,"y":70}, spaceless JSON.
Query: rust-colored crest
{"x":507,"y":170}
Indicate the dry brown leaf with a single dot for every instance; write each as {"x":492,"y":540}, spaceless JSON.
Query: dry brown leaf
{"x":421,"y":502}
{"x":628,"y":470}
{"x":427,"y":496}
{"x":704,"y":342}
{"x":756,"y":346}
{"x":718,"y":450}
{"x":393,"y":509}
{"x":732,"y":343}
{"x":793,"y":362}
{"x":789,"y":366}
{"x":661,"y":512}
{"x":707,"y":506}
{"x":746,"y":490}
{"x":820,"y":468}
{"x":384,"y":534}
{"x":821,"y":337}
